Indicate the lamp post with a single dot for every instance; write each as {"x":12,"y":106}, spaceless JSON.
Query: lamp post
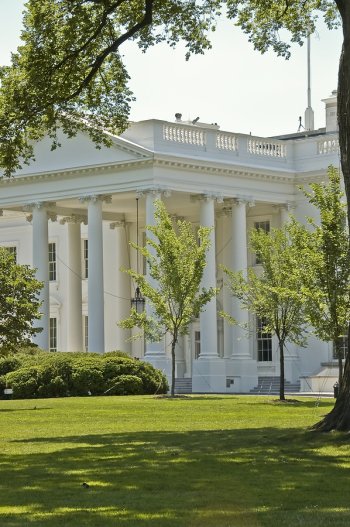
{"x":138,"y":302}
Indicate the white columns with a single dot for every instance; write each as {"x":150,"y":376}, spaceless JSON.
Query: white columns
{"x":244,"y":367}
{"x":239,"y":263}
{"x":41,"y":263}
{"x":208,"y":318}
{"x":95,"y":273}
{"x":74,"y":288}
{"x":286,"y":209}
{"x":121,"y":304}
{"x":153,"y":349}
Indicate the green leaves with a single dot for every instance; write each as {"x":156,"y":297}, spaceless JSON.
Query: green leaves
{"x":69,"y":73}
{"x":19,"y":304}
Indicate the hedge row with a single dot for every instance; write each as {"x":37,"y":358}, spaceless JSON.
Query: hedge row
{"x":44,"y":374}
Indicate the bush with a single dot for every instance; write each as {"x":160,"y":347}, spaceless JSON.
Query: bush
{"x":126,"y":385}
{"x":87,"y":381}
{"x":8,"y":364}
{"x":24,"y":382}
{"x":36,"y":373}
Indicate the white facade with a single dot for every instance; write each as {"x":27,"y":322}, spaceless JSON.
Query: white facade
{"x":72,"y":213}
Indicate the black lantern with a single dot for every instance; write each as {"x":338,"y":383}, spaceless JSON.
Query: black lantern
{"x":138,"y":302}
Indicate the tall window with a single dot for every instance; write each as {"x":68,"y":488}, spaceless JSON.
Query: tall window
{"x":264,"y":226}
{"x":12,"y":249}
{"x":264,"y":341}
{"x":53,"y":334}
{"x":86,"y":333}
{"x":52,"y":262}
{"x":343,"y":347}
{"x":85,"y":258}
{"x":197,"y":344}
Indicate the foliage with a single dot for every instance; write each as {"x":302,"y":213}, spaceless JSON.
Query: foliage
{"x":274,"y":291}
{"x":45,"y":374}
{"x":69,"y":73}
{"x":126,"y":385}
{"x":19,"y":303}
{"x":176,"y":258}
{"x":328,"y":278}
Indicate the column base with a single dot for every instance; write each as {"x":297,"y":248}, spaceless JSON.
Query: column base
{"x":209,"y":375}
{"x":244,"y":372}
{"x":292,"y":368}
{"x":161,"y":362}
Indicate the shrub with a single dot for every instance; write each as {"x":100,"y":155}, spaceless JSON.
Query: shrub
{"x":87,"y":381}
{"x":24,"y":382}
{"x":126,"y":385}
{"x":56,"y":387}
{"x":8,"y":364}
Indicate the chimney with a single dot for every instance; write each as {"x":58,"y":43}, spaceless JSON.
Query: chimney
{"x":331,"y":112}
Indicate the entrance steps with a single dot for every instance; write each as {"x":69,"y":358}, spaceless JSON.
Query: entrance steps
{"x":183,"y":385}
{"x":271,"y":385}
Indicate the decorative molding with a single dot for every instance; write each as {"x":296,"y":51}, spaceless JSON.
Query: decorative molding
{"x":207,"y":197}
{"x":116,"y":224}
{"x":74,"y":218}
{"x":105,"y":198}
{"x":155,"y":191}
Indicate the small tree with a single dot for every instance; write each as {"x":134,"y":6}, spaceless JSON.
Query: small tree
{"x":273,"y":292}
{"x":19,"y":304}
{"x":176,"y":258}
{"x":327,"y":280}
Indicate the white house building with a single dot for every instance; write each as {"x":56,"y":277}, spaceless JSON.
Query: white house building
{"x":72,"y":213}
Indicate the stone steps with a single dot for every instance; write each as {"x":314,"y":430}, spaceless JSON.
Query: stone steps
{"x":271,"y":385}
{"x":183,"y":385}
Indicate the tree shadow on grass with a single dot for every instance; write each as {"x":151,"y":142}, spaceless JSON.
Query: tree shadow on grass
{"x":225,"y":478}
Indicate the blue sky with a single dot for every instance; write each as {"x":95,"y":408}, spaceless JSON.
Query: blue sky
{"x":232,"y":84}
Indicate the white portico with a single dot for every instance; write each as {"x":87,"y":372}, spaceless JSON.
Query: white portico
{"x":72,"y":213}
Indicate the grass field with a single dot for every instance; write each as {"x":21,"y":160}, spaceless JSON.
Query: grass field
{"x":202,"y":461}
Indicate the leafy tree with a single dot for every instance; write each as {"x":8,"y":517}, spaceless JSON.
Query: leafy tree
{"x":19,"y":304}
{"x":69,"y":73}
{"x":327,"y":280}
{"x":273,"y":292}
{"x":176,"y":258}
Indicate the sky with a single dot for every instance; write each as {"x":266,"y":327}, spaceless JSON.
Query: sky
{"x":232,"y":84}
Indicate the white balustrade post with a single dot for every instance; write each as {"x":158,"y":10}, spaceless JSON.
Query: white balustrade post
{"x":208,"y":317}
{"x":41,"y":263}
{"x":74,"y":287}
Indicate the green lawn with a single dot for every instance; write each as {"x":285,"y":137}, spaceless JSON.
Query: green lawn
{"x":215,"y":461}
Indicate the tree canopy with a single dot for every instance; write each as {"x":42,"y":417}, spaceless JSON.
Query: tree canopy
{"x":69,"y":72}
{"x":19,"y":303}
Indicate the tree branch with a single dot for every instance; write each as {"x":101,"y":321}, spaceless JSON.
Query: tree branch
{"x":146,"y":21}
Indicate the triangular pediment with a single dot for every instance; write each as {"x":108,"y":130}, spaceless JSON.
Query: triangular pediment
{"x":80,"y":152}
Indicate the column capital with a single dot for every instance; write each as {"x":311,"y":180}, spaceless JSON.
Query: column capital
{"x":239,"y":200}
{"x":287,"y":207}
{"x":39,"y":205}
{"x":116,"y":224}
{"x":106,"y":198}
{"x":74,"y":218}
{"x":154,"y":191}
{"x":207,"y":197}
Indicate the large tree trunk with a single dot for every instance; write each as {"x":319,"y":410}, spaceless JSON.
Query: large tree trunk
{"x":339,"y":417}
{"x":339,"y":355}
{"x":281,"y":346}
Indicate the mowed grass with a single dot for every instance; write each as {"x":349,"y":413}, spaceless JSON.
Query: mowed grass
{"x":201,"y":461}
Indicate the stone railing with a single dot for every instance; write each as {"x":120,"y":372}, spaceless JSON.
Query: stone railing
{"x":328,"y":146}
{"x":183,"y":134}
{"x":225,"y":141}
{"x":263,"y":147}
